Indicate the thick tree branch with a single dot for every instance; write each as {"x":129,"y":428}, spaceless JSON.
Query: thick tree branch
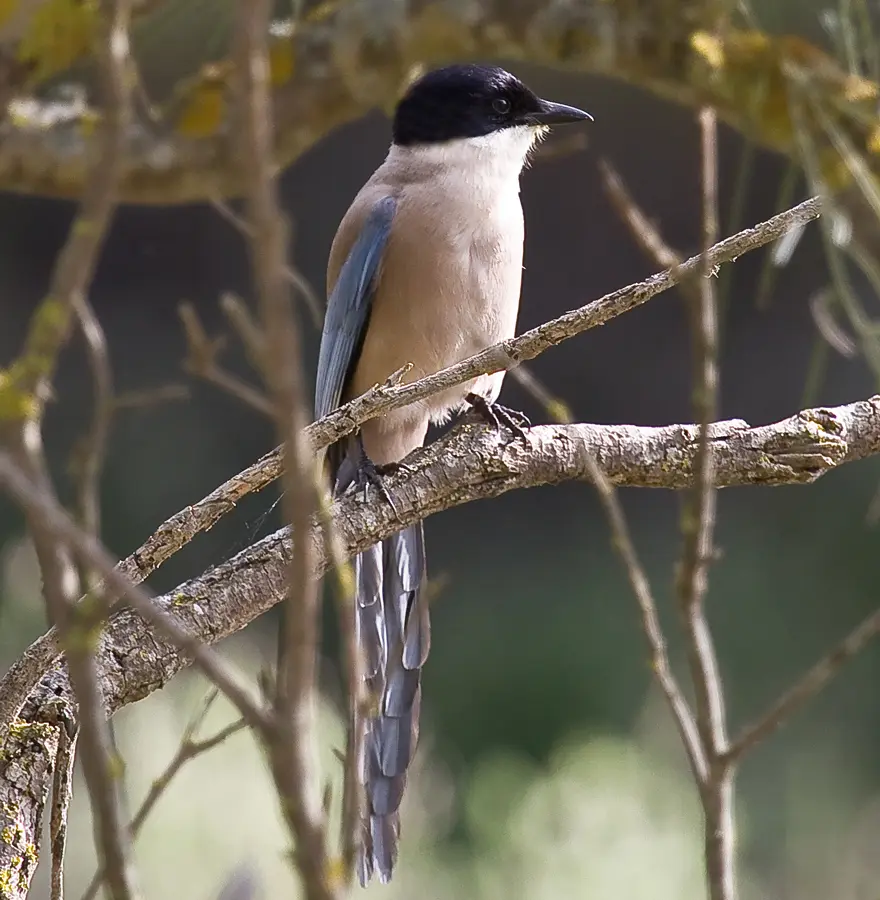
{"x":17,"y":683}
{"x":469,"y":463}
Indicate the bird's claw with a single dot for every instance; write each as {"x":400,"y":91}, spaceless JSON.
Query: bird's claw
{"x":392,"y":468}
{"x":499,"y":416}
{"x":369,"y":473}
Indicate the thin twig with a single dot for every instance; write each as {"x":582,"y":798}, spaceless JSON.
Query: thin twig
{"x":292,"y":744}
{"x":188,"y":750}
{"x":655,"y":247}
{"x":294,"y":278}
{"x":641,"y":587}
{"x":89,"y":461}
{"x":246,"y":327}
{"x":698,"y":511}
{"x":166,"y":393}
{"x":697,"y":528}
{"x":647,"y":236}
{"x":555,"y":407}
{"x":624,"y":546}
{"x":805,"y":688}
{"x":201,"y":361}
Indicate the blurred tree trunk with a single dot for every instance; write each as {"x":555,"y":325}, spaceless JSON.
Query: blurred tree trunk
{"x":340,"y":59}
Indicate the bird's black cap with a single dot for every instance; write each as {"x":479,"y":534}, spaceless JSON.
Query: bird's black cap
{"x":464,"y":101}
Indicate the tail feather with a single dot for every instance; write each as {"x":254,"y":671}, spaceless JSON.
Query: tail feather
{"x":395,"y":639}
{"x":384,"y":837}
{"x":394,"y":635}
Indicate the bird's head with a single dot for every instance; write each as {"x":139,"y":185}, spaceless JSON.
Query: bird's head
{"x":483,"y":105}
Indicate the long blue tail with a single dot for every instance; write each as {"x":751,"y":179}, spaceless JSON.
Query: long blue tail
{"x":394,"y":635}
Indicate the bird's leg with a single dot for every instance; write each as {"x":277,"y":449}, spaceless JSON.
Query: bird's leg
{"x":499,"y":416}
{"x":369,"y":473}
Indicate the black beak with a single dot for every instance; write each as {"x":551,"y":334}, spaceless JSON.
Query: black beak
{"x":556,"y":114}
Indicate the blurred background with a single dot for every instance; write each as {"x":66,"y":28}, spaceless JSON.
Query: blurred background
{"x":548,"y":765}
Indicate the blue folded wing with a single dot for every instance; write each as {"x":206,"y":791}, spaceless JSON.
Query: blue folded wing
{"x":348,"y":308}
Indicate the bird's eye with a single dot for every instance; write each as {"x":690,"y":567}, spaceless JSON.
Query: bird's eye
{"x":501,"y":105}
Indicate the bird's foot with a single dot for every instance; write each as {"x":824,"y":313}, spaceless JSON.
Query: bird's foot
{"x":369,"y":473}
{"x":392,"y":468}
{"x":499,"y":416}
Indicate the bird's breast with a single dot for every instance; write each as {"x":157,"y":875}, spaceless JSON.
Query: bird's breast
{"x":468,"y":271}
{"x":448,"y":286}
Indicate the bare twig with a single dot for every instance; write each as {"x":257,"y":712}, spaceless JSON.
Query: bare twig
{"x":555,"y":407}
{"x":100,"y":767}
{"x":201,"y":361}
{"x":291,"y":746}
{"x":188,"y":750}
{"x":622,"y":542}
{"x":804,"y":689}
{"x":294,"y":278}
{"x":698,"y":512}
{"x":87,"y":465}
{"x":641,"y":587}
{"x":648,"y":237}
{"x":655,"y":247}
{"x":697,"y":528}
{"x":89,"y":462}
{"x":246,"y":327}
{"x":829,"y":330}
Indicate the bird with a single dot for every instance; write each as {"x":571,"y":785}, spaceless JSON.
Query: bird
{"x":425,"y":270}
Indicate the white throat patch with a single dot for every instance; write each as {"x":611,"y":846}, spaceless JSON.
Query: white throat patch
{"x":501,"y":154}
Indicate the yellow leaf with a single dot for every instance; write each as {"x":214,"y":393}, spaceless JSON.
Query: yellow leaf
{"x":709,"y":47}
{"x":281,"y":60}
{"x":60,"y":32}
{"x":203,"y":106}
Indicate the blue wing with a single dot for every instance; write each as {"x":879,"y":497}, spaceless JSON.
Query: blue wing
{"x":348,"y":309}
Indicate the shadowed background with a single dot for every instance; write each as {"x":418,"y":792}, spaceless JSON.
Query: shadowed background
{"x":548,"y":762}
